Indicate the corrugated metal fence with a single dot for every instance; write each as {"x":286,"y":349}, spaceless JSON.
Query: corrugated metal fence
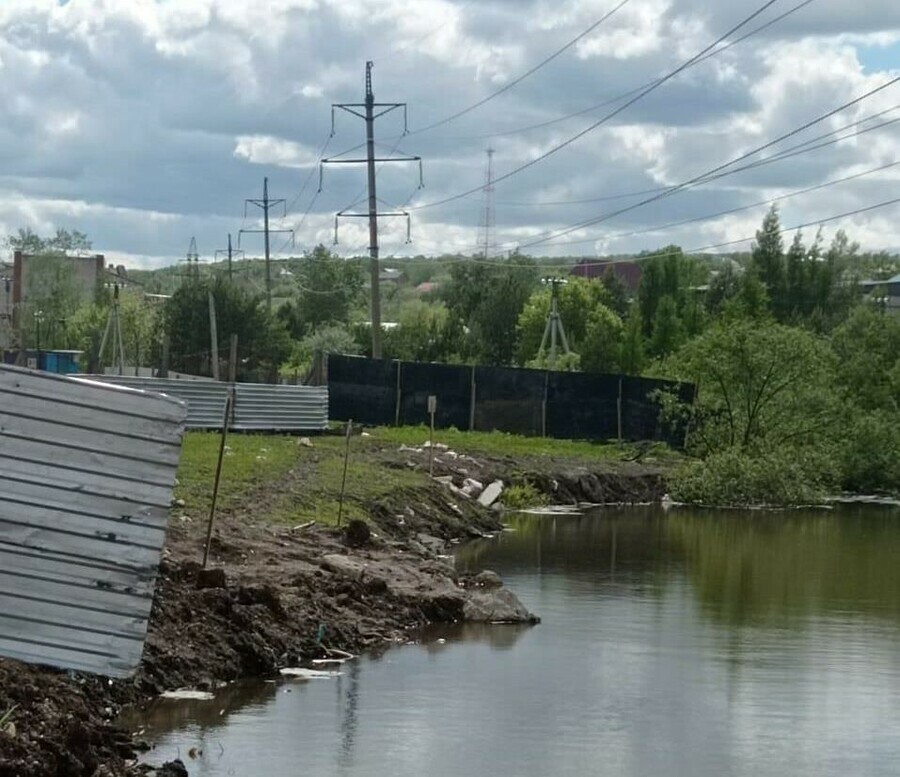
{"x":257,"y":406}
{"x":86,"y":477}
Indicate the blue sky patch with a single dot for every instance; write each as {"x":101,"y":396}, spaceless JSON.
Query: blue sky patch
{"x":877,"y":59}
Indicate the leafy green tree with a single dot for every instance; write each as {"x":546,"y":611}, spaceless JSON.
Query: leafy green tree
{"x":29,"y":242}
{"x":325,"y":340}
{"x":328,"y":288}
{"x":263,"y":341}
{"x":668,"y":331}
{"x":583,"y":305}
{"x":488,"y":299}
{"x":617,"y":294}
{"x":632,"y":356}
{"x":762,"y":384}
{"x":867,"y":346}
{"x":601,"y":347}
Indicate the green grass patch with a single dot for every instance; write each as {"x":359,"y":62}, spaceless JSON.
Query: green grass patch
{"x":251,"y":460}
{"x":255,"y":476}
{"x":504,"y":444}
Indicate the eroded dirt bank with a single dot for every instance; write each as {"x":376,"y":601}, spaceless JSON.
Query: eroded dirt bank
{"x":290,"y":591}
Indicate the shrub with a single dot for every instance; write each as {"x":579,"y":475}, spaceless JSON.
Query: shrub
{"x":521,"y":496}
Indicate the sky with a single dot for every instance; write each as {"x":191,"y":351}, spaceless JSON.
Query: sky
{"x":144,"y":123}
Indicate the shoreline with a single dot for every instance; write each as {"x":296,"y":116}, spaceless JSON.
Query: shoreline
{"x":290,"y":591}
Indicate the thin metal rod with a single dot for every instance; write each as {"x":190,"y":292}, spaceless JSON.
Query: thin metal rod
{"x":344,"y":476}
{"x":215,"y":495}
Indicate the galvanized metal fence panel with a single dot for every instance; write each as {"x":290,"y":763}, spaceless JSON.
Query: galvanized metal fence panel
{"x":257,"y":406}
{"x":86,"y":477}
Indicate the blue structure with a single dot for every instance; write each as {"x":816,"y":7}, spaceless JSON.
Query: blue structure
{"x":60,"y":362}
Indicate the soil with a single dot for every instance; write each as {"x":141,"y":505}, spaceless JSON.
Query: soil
{"x":288,"y":594}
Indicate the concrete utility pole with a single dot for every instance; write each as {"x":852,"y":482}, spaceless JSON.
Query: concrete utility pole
{"x":554,"y":322}
{"x":372,"y":215}
{"x":229,"y":253}
{"x":265,"y":204}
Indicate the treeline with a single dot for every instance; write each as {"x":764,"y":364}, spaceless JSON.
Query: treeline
{"x":799,"y":374}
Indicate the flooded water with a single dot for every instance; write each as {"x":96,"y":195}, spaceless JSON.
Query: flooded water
{"x":687,"y":643}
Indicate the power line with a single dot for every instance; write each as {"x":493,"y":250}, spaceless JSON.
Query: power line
{"x":625,"y":95}
{"x":643,"y":93}
{"x":730,"y":211}
{"x":708,"y":175}
{"x":530,"y":72}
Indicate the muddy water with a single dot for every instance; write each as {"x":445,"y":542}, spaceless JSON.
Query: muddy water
{"x":683,"y":644}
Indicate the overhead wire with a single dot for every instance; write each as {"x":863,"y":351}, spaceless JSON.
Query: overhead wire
{"x":612,"y":114}
{"x":519,"y":79}
{"x":709,"y":174}
{"x":625,"y":95}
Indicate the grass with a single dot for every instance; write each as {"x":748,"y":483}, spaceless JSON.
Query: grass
{"x":503,"y":444}
{"x":255,"y":464}
{"x":287,"y":482}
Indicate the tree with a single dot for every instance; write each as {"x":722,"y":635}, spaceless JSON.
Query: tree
{"x":601,"y":346}
{"x":867,"y":346}
{"x":768,"y":257}
{"x":632,"y":357}
{"x":29,"y":242}
{"x":263,"y":341}
{"x":488,"y":299}
{"x":667,"y":331}
{"x":762,"y":385}
{"x":582,"y":304}
{"x":328,"y":287}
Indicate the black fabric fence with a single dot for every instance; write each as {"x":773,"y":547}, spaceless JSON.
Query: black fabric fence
{"x":566,"y":405}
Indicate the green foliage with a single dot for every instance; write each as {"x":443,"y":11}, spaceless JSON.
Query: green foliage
{"x":424,"y":332}
{"x":488,"y":299}
{"x":592,"y":329}
{"x":29,"y":242}
{"x":565,"y":362}
{"x":768,"y":256}
{"x":263,"y":342}
{"x":139,"y":322}
{"x":738,"y":478}
{"x":667,"y":332}
{"x":328,"y":288}
{"x":325,"y":340}
{"x":521,"y":496}
{"x":870,"y":453}
{"x":632,"y":356}
{"x":761,"y":385}
{"x":867,"y":346}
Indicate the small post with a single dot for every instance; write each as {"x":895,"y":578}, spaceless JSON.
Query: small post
{"x":232,"y":360}
{"x":432,"y":409}
{"x":344,"y":476}
{"x":215,"y":494}
{"x":214,"y":337}
{"x":619,"y":410}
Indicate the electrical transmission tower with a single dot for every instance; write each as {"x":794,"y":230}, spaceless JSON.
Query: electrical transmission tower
{"x":114,"y":329}
{"x":372,"y":215}
{"x":229,"y":254}
{"x":265,"y":204}
{"x":554,"y":326}
{"x":193,"y":260}
{"x":487,"y":238}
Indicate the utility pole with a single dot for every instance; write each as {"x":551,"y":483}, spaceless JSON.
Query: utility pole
{"x":488,"y":216}
{"x":229,"y":253}
{"x":372,"y":214}
{"x":554,"y":326}
{"x":265,"y":204}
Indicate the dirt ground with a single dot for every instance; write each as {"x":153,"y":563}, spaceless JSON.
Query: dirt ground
{"x":289,"y":592}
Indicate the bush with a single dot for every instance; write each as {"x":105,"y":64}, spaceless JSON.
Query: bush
{"x":870,"y":454}
{"x":735,"y":478}
{"x":522,"y":496}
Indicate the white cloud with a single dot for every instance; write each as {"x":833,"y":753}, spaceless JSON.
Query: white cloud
{"x":115,"y":113}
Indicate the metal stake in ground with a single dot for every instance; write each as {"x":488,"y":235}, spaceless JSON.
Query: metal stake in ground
{"x":344,"y":476}
{"x":215,"y":495}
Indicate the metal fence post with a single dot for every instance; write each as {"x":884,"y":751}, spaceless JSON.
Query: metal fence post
{"x":619,"y":410}
{"x":472,"y":400}
{"x":399,"y":393}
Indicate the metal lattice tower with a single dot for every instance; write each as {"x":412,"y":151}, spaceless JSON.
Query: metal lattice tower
{"x":487,"y":238}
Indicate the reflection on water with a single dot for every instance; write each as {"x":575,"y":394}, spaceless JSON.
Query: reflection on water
{"x":687,"y":643}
